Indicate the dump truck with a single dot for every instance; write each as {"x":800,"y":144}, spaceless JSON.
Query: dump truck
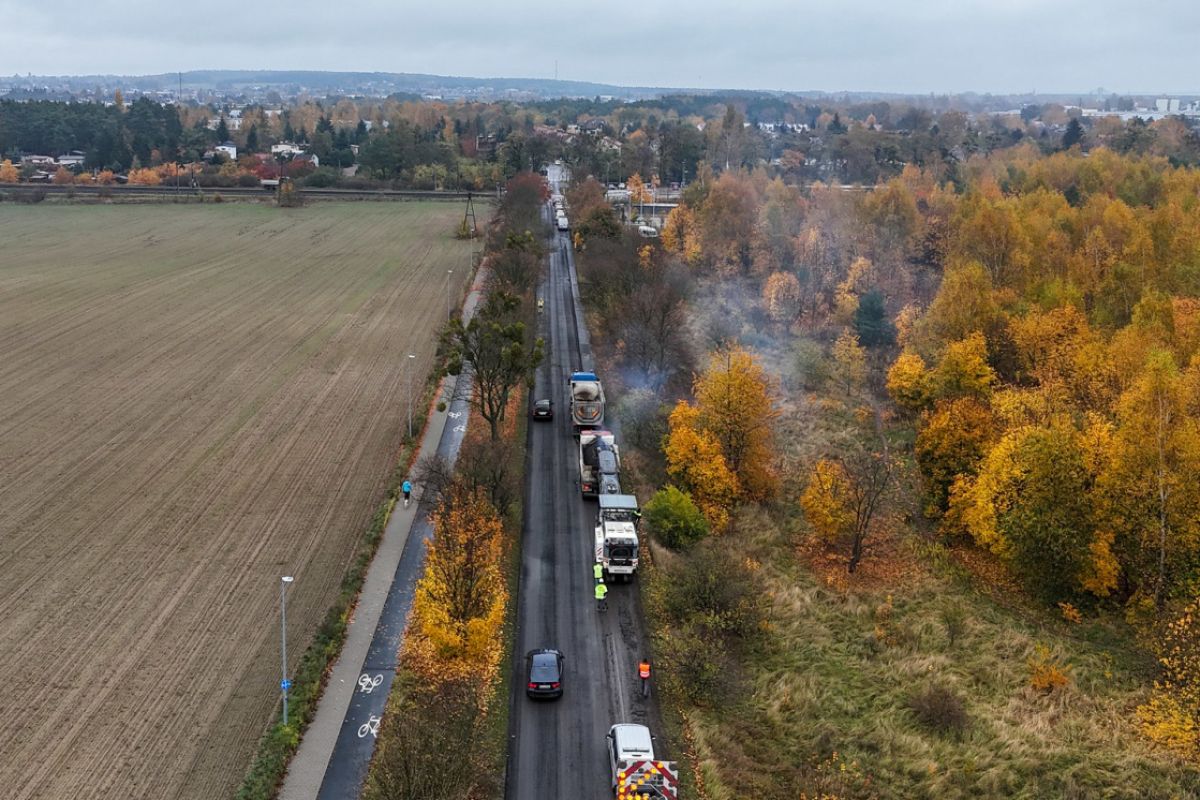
{"x":599,"y":463}
{"x":587,"y":401}
{"x":635,"y":771}
{"x":616,"y":546}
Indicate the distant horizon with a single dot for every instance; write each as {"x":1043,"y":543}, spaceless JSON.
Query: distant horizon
{"x":601,"y":84}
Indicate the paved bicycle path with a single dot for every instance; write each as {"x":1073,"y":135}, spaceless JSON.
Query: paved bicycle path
{"x":336,"y":749}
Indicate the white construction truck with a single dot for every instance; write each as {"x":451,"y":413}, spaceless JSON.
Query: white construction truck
{"x":599,"y":463}
{"x":616,"y":535}
{"x":635,"y":772}
{"x":587,"y":400}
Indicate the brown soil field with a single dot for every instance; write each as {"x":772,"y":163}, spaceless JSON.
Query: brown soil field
{"x":194,"y":401}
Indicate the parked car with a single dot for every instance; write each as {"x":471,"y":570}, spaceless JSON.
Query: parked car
{"x":543,"y":409}
{"x":545,"y":674}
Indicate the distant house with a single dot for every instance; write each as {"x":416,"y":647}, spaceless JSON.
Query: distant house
{"x":485,"y":143}
{"x":75,"y":158}
{"x":38,"y":161}
{"x":307,"y":158}
{"x":287,"y":149}
{"x":228,"y":148}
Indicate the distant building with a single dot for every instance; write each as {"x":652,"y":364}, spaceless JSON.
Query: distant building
{"x":228,"y":148}
{"x":75,"y":158}
{"x":38,"y":161}
{"x":309,"y":158}
{"x":288,"y":149}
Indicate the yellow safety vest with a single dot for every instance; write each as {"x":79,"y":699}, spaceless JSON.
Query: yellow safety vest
{"x":601,"y":591}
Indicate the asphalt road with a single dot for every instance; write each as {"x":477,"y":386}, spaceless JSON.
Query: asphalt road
{"x":557,"y":748}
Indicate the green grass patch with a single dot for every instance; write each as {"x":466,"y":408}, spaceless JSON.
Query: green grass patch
{"x":845,"y":700}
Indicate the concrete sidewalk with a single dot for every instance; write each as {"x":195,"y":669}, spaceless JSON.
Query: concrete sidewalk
{"x":307,"y":770}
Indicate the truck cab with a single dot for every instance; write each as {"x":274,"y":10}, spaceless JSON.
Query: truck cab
{"x":616,"y":548}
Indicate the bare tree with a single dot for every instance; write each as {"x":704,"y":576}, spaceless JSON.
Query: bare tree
{"x":870,"y":476}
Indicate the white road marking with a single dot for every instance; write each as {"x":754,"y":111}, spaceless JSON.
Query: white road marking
{"x":371,"y":726}
{"x":368,"y":684}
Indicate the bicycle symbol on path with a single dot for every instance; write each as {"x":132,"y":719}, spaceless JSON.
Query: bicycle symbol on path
{"x":371,"y":726}
{"x":460,"y":428}
{"x":368,"y":684}
{"x":454,"y":414}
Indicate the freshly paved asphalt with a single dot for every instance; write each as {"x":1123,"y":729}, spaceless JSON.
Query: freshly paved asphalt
{"x":557,"y":749}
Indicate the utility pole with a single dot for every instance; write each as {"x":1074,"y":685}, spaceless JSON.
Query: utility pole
{"x":469,"y":214}
{"x":449,"y":311}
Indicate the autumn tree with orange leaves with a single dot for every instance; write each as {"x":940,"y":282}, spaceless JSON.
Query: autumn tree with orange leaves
{"x":843,"y":499}
{"x":459,"y":603}
{"x":721,"y":448}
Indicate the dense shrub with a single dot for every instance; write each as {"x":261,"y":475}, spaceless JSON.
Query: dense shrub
{"x":675,"y":520}
{"x":810,"y":363}
{"x":714,"y":606}
{"x":939,"y":709}
{"x":323,"y":178}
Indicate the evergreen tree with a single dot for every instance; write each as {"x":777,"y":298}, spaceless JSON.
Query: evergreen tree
{"x":222,"y":131}
{"x":871,"y":322}
{"x":1074,"y":134}
{"x":252,"y":139}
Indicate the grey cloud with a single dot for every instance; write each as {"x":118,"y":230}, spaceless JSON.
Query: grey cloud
{"x":915,"y":46}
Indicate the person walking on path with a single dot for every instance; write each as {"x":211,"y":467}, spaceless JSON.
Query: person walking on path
{"x":407,"y":489}
{"x":644,"y":674}
{"x":601,"y":596}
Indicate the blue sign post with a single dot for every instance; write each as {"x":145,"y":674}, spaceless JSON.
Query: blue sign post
{"x":284,"y":684}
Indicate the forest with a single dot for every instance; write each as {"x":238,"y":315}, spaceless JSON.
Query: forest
{"x":956,"y":415}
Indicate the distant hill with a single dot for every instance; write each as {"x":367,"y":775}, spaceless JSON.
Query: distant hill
{"x":361,"y":83}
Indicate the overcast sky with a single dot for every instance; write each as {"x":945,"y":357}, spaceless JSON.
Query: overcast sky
{"x":882,"y":45}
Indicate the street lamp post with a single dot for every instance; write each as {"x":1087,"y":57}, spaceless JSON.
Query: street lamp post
{"x":411,"y":357}
{"x":284,"y":683}
{"x":449,"y":311}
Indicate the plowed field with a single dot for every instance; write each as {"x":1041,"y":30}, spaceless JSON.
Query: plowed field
{"x":194,"y":401}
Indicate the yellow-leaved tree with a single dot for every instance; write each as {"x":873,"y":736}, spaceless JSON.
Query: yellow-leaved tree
{"x":695,"y":461}
{"x":735,"y":398}
{"x":720,"y":449}
{"x":1150,"y":485}
{"x":908,"y":382}
{"x":9,"y":173}
{"x":681,"y":234}
{"x":459,"y":603}
{"x":781,"y":297}
{"x":850,"y":359}
{"x":844,"y":497}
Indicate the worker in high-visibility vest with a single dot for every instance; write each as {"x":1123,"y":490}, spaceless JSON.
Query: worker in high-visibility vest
{"x":598,"y":571}
{"x":601,"y":594}
{"x":644,"y":674}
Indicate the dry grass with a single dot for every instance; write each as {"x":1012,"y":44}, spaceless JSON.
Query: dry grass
{"x":829,"y":706}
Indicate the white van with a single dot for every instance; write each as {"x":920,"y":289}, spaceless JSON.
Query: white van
{"x":647,"y":232}
{"x":628,"y":743}
{"x":563,"y":224}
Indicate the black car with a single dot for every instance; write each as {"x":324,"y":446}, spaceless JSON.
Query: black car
{"x":543,"y":409}
{"x":545,"y":673}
